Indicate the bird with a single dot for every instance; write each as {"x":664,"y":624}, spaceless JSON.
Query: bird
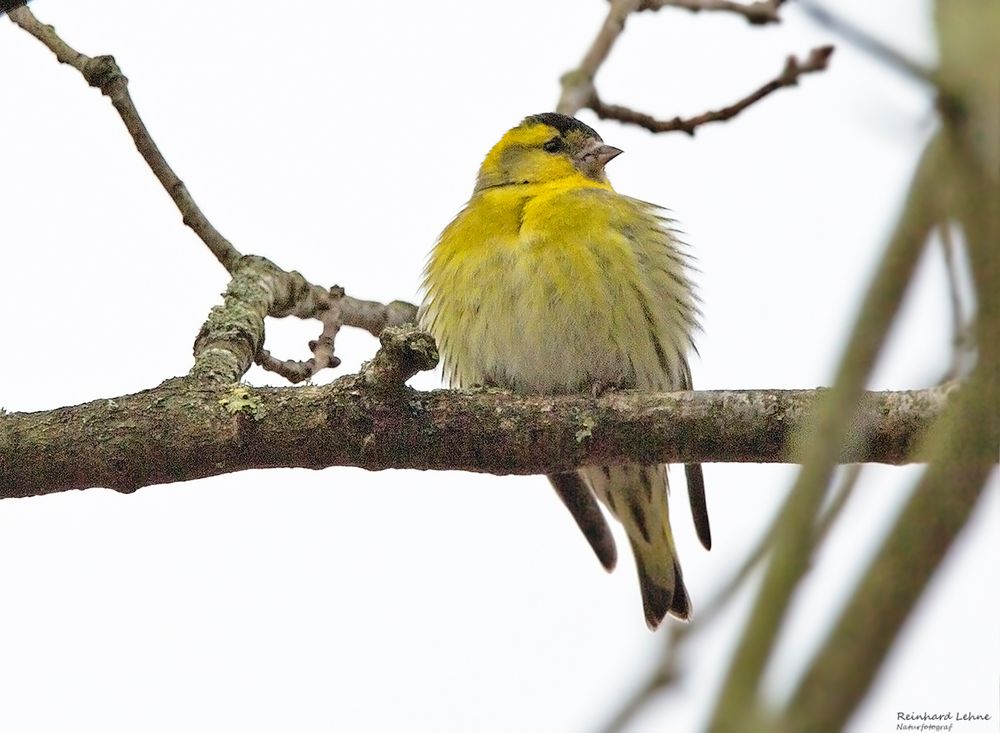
{"x":550,"y":282}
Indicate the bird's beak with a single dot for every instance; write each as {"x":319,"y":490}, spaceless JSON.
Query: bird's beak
{"x":592,"y":159}
{"x":597,"y":154}
{"x":605,"y":153}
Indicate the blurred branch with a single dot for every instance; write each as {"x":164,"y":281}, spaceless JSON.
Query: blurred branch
{"x":864,"y":41}
{"x":965,"y":442}
{"x":665,"y":674}
{"x":964,"y":456}
{"x":843,"y":492}
{"x":737,"y":702}
{"x":963,"y":341}
{"x":958,"y":179}
{"x":756,"y":13}
{"x":190,"y":428}
{"x":817,"y":60}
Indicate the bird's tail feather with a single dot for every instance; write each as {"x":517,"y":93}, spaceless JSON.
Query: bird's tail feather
{"x":637,"y":496}
{"x":662,"y":593}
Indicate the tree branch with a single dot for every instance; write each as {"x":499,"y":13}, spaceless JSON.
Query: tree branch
{"x":578,"y":84}
{"x":8,"y":5}
{"x":579,"y":91}
{"x":738,"y":700}
{"x":187,"y":429}
{"x":666,"y":672}
{"x":866,"y":42}
{"x":328,"y":312}
{"x":102,"y":72}
{"x":817,"y":60}
{"x":855,"y":649}
{"x":233,"y":335}
{"x":334,"y":309}
{"x":756,"y":13}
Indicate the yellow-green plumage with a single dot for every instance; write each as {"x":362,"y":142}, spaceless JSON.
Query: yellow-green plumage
{"x":550,"y":282}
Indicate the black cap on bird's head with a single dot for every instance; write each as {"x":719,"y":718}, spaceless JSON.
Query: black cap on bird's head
{"x":563,"y":123}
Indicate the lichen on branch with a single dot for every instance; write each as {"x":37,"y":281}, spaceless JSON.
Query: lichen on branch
{"x":191,"y":428}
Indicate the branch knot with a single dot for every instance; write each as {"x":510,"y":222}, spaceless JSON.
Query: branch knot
{"x":103,"y":72}
{"x":405,"y":351}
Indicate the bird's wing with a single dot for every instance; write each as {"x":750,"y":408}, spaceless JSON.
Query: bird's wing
{"x":666,"y":263}
{"x":695,"y":480}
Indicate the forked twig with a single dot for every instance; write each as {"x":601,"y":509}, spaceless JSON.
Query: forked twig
{"x":579,"y":91}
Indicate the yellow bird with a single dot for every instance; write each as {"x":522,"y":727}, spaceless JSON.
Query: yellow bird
{"x":550,"y":282}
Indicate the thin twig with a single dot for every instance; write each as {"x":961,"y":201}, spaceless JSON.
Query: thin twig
{"x":103,"y":72}
{"x":817,"y":60}
{"x":293,"y":370}
{"x":335,"y":309}
{"x":757,"y":13}
{"x":323,"y":347}
{"x":329,"y":314}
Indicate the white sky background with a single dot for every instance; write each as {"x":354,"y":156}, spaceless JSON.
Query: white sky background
{"x":339,"y":139}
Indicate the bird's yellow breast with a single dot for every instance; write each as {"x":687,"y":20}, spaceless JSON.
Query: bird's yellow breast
{"x":549,"y":288}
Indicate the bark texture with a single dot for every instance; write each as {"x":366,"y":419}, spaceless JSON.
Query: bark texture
{"x":188,"y":428}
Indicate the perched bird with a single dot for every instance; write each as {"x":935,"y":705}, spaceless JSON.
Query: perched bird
{"x":550,"y":282}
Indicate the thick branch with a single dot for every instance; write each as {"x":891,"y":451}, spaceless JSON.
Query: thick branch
{"x":187,"y":429}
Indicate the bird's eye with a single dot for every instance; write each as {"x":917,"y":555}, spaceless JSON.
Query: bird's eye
{"x":554,"y":145}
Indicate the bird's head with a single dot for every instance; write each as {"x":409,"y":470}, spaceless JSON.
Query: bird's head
{"x":543,"y":148}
